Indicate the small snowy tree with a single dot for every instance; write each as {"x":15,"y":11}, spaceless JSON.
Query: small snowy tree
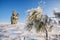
{"x":39,"y":22}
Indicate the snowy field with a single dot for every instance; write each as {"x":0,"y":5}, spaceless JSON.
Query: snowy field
{"x":17,"y":32}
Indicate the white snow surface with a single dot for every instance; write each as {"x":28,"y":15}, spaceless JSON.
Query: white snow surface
{"x":18,"y":32}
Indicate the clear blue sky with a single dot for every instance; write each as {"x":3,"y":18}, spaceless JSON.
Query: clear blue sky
{"x":21,"y":6}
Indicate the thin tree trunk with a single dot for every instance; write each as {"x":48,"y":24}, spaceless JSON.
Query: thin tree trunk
{"x":46,"y":34}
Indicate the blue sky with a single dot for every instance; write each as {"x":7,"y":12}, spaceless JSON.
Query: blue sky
{"x":21,"y":6}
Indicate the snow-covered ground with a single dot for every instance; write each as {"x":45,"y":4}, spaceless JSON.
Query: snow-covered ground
{"x":17,"y":32}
